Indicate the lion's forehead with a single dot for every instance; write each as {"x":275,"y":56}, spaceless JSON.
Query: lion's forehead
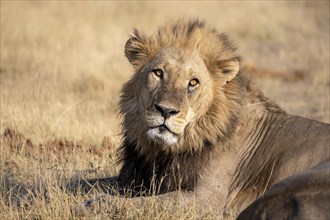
{"x":180,"y":62}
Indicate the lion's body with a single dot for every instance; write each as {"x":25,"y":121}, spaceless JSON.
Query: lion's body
{"x":193,"y":122}
{"x":260,"y":157}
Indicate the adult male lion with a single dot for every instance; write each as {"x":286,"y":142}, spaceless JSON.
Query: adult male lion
{"x":194,"y":123}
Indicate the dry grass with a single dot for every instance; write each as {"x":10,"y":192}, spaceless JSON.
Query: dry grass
{"x":62,"y":66}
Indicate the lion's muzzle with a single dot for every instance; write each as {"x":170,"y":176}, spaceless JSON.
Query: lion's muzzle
{"x":164,"y":124}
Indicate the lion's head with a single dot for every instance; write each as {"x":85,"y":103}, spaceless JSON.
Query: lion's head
{"x":183,"y":94}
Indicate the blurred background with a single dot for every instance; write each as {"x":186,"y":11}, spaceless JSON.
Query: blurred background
{"x":63,"y":64}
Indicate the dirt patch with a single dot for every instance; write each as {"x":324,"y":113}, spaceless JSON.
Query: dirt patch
{"x":16,"y":142}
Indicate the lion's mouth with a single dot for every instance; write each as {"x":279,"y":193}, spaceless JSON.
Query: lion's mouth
{"x":162,"y":134}
{"x":163,"y":128}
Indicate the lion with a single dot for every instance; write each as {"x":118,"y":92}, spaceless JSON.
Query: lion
{"x":195,"y":126}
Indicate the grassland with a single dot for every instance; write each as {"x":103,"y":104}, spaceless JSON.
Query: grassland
{"x":62,"y":67}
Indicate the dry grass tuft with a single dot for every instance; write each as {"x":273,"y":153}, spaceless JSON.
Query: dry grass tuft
{"x":62,"y":66}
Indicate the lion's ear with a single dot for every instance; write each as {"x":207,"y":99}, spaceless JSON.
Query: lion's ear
{"x":136,"y":51}
{"x":228,"y":68}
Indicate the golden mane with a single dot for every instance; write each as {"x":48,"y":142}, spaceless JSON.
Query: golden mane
{"x":220,"y":121}
{"x":186,"y":35}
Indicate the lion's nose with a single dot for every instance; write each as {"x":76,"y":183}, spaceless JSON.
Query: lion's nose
{"x":166,"y":112}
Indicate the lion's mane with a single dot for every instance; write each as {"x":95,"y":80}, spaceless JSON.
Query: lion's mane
{"x":171,"y":170}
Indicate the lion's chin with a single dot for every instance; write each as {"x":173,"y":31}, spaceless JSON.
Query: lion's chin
{"x":162,"y":136}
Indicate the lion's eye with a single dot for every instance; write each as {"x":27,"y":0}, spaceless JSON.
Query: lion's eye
{"x":158,"y":72}
{"x":193,"y":83}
